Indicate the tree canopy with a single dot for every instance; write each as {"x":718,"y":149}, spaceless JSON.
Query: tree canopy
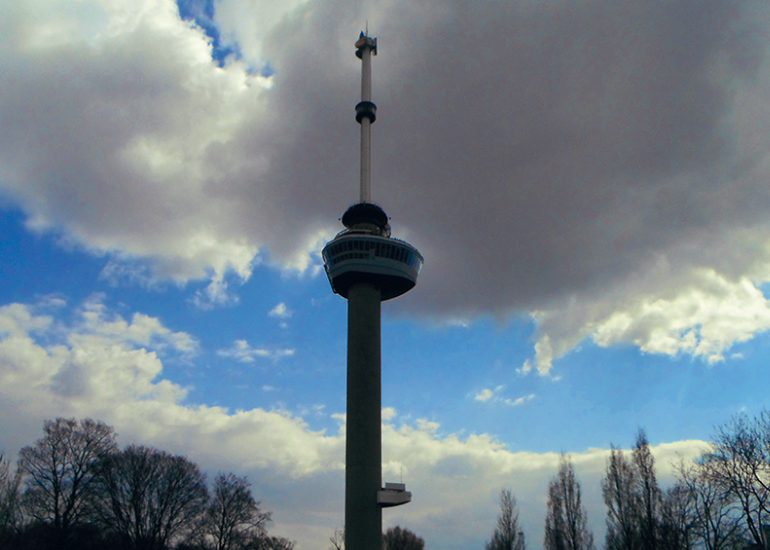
{"x":398,"y":538}
{"x":74,"y":489}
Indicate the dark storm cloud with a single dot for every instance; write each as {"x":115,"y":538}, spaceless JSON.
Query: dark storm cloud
{"x":532,"y":150}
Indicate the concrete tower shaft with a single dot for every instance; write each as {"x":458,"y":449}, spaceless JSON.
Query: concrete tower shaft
{"x":363,"y":443}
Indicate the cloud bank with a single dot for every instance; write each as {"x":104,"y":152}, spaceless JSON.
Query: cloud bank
{"x":105,"y":367}
{"x":600,"y":165}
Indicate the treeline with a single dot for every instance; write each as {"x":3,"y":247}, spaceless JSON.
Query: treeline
{"x":721,"y":501}
{"x":395,"y":538}
{"x":75,"y":489}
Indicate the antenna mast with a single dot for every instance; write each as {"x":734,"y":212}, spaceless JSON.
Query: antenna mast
{"x":366,"y":111}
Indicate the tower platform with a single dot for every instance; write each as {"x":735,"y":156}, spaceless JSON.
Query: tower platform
{"x":365,"y":253}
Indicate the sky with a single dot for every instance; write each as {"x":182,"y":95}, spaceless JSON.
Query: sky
{"x":587,"y":181}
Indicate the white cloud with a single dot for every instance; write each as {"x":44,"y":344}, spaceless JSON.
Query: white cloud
{"x":427,"y":425}
{"x":18,"y":320}
{"x":154,"y":107}
{"x":51,"y":301}
{"x":316,"y":410}
{"x":142,"y":330}
{"x":101,"y":371}
{"x":525,"y":368}
{"x":493,"y":396}
{"x":243,"y":352}
{"x":484,"y":395}
{"x":251,"y":22}
{"x":216,"y":294}
{"x":519,"y":400}
{"x":704,"y":320}
{"x":388,"y":413}
{"x":117,"y":271}
{"x":281,"y":311}
{"x":703,"y":316}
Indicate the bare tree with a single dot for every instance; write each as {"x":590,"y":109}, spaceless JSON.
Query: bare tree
{"x":675,"y":530}
{"x":622,"y":501}
{"x":566,"y":521}
{"x":10,"y":497}
{"x":507,"y":534}
{"x":59,"y":471}
{"x":337,"y":539}
{"x":739,"y":463}
{"x":649,"y":492}
{"x":397,"y":538}
{"x":715,"y":513}
{"x":149,"y":497}
{"x":233,"y":516}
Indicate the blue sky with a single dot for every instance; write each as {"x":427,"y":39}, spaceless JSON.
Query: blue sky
{"x":587,"y":183}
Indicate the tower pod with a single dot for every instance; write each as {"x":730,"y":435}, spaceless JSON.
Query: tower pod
{"x":365,"y":253}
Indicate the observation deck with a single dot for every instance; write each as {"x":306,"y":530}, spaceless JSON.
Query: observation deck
{"x":366,"y":253}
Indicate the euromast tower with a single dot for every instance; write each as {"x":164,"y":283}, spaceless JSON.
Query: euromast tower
{"x":367,"y":266}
